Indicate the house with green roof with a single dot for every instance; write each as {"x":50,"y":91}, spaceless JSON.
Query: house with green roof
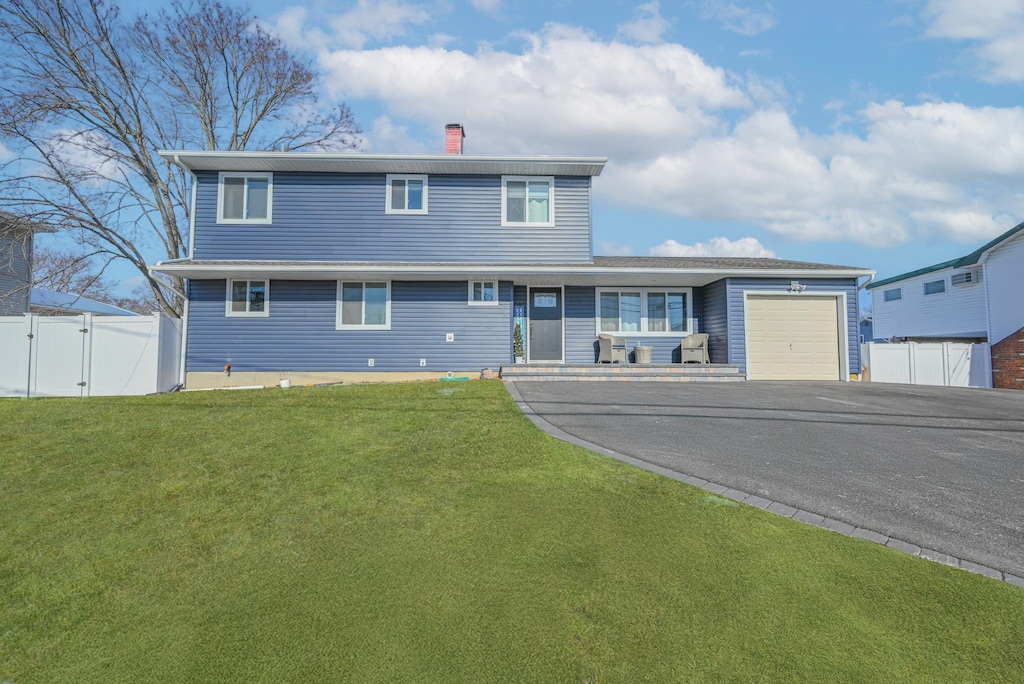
{"x":977,"y":298}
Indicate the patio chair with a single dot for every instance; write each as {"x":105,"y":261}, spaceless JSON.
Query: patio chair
{"x":611,"y":349}
{"x":694,"y":348}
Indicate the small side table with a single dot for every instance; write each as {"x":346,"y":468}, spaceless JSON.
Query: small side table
{"x":643,"y":354}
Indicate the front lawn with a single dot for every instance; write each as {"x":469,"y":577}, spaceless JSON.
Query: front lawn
{"x":429,"y":533}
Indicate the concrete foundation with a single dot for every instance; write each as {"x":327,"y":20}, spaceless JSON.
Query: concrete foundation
{"x":299,"y":378}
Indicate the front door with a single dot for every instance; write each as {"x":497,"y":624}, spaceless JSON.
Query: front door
{"x":546,"y":324}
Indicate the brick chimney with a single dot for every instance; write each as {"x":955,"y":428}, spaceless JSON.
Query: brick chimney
{"x":453,"y":138}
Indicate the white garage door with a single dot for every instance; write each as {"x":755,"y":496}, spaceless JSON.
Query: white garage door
{"x":792,"y":338}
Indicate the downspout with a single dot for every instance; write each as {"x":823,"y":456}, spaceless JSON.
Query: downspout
{"x":191,"y":254}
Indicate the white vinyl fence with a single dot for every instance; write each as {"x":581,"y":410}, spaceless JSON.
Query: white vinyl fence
{"x":951,"y":364}
{"x":88,"y":355}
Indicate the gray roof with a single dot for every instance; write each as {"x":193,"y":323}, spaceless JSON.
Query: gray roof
{"x":600,"y":263}
{"x":725,"y":263}
{"x":347,"y":162}
{"x":962,"y":262}
{"x":67,"y":302}
{"x":605,"y":271}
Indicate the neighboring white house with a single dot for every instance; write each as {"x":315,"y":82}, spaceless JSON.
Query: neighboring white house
{"x":978,"y":297}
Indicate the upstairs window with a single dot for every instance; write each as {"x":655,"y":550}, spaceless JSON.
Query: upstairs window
{"x":406,"y":194}
{"x":248,"y":298}
{"x":527,"y":200}
{"x":893,"y":295}
{"x":245,"y":197}
{"x":935,"y":287}
{"x":364,"y":306}
{"x":483,"y":292}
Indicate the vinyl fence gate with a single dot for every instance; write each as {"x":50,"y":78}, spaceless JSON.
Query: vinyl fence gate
{"x":88,"y":355}
{"x":951,"y":364}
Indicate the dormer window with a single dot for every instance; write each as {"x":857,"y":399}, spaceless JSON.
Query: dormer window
{"x":245,"y":197}
{"x":527,"y":201}
{"x":406,"y":194}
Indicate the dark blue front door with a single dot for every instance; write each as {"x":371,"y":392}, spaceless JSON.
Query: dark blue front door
{"x":545,"y":324}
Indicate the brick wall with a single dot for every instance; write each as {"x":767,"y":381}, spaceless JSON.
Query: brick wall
{"x":1008,"y":362}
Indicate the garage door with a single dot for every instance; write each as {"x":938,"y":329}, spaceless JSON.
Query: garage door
{"x":792,"y":338}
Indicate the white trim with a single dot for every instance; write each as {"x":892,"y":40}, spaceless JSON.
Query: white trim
{"x":493,"y":302}
{"x":183,"y":352}
{"x":529,"y":307}
{"x":347,"y":162}
{"x":550,"y":223}
{"x":842,"y":324}
{"x":331,"y":270}
{"x":192,"y":210}
{"x":245,"y":202}
{"x":691,"y":322}
{"x":406,"y":177}
{"x":247,"y":314}
{"x":338,"y":325}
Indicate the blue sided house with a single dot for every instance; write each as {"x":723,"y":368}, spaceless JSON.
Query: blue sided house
{"x":332,"y":267}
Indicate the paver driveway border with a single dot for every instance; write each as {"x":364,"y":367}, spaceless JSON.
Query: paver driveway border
{"x":767,"y":504}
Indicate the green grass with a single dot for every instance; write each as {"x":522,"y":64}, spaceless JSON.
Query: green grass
{"x":429,"y":533}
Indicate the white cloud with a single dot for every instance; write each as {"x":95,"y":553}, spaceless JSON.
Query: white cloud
{"x":486,"y":6}
{"x":440,"y":39}
{"x":566,"y":92}
{"x":715,"y":247}
{"x":686,"y":138}
{"x":6,"y":154}
{"x":387,"y":136}
{"x":742,"y":20}
{"x":367,"y":20}
{"x":994,"y":27}
{"x":612,"y":248}
{"x":647,"y":25}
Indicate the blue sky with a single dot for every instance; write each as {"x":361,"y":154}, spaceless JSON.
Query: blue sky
{"x":888,"y":135}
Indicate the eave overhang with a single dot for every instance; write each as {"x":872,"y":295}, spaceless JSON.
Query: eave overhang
{"x":539,"y":274}
{"x":322,"y":162}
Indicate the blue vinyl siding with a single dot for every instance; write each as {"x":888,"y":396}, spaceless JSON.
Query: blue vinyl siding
{"x":737,"y":327}
{"x":341,"y":217}
{"x":715,"y":320}
{"x":15,"y":274}
{"x":581,"y":330}
{"x":300,"y":334}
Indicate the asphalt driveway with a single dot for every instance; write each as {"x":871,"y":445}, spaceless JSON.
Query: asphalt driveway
{"x":942,"y":468}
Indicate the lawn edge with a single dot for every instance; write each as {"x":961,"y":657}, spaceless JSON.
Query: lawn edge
{"x":776,"y":507}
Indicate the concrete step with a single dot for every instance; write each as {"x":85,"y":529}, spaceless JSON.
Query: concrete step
{"x":624,"y":372}
{"x":625,"y":378}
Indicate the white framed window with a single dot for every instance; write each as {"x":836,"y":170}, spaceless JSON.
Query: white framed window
{"x":645,"y":311}
{"x":363,"y":305}
{"x":406,"y":194}
{"x":893,"y":295}
{"x":248,"y":298}
{"x":528,"y":201}
{"x":483,"y":293}
{"x":935,"y":287}
{"x":245,"y":197}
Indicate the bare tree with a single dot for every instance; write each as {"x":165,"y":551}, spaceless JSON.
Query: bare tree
{"x":84,"y":274}
{"x":87,"y":98}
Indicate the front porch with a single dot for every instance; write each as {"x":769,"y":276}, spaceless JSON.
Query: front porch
{"x":626,"y":372}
